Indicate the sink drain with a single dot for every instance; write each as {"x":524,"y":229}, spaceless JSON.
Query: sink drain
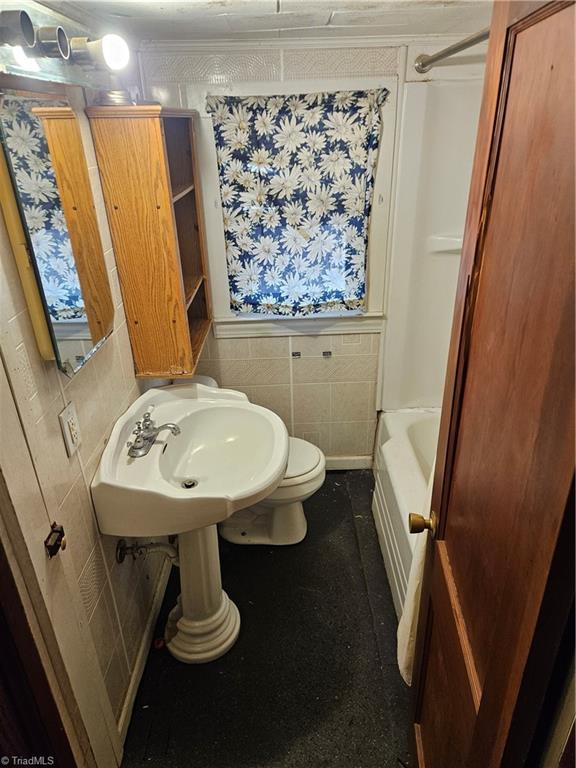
{"x":189,"y":483}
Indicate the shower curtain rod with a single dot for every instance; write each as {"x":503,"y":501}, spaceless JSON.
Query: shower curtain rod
{"x":424,"y":62}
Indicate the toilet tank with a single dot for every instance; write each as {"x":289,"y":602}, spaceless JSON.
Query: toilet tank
{"x":207,"y":381}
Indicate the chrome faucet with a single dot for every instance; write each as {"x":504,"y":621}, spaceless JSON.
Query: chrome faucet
{"x":145,"y":433}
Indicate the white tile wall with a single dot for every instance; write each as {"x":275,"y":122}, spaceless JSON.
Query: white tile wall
{"x":330,"y":401}
{"x":117,"y":599}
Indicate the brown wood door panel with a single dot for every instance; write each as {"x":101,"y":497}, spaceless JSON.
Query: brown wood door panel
{"x":449,"y":707}
{"x":506,"y":459}
{"x":519,"y":369}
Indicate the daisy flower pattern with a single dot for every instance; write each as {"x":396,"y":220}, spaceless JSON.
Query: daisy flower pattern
{"x":30,"y":166}
{"x":296,"y":181}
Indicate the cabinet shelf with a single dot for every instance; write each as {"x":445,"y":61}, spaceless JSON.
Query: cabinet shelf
{"x":199,"y":328}
{"x":179,"y":193}
{"x":191,"y":287}
{"x":198,"y":319}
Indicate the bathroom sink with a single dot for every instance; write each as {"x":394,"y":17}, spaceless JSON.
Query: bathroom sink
{"x":229,"y":454}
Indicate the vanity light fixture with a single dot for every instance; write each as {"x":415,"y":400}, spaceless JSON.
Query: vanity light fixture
{"x":109,"y":52}
{"x":16,"y":28}
{"x":52,"y":42}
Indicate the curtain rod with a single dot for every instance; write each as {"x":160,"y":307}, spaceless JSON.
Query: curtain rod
{"x":424,"y":63}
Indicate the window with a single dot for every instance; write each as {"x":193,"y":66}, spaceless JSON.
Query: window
{"x":296,"y":182}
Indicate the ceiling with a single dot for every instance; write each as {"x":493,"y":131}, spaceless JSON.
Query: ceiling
{"x":268,"y":19}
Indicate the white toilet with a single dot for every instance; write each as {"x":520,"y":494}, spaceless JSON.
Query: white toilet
{"x":278,"y":519}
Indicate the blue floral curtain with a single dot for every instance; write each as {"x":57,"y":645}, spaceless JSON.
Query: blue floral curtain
{"x":29,"y":160}
{"x":296,"y":181}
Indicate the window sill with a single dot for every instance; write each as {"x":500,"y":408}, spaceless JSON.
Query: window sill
{"x":246,"y":327}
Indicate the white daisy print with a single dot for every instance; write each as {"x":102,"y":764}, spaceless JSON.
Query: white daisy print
{"x":293,"y":213}
{"x":271,"y":218}
{"x":248,"y":279}
{"x":22,"y":139}
{"x":284,"y":184}
{"x":38,"y":188}
{"x":290,"y":135}
{"x":322,"y":245}
{"x":296,"y":182}
{"x":227,"y":193}
{"x":293,"y":287}
{"x":261,"y":161}
{"x":293,"y":241}
{"x":321,"y":201}
{"x":310,"y":179}
{"x":44,"y":244}
{"x":29,"y":159}
{"x":36,"y":217}
{"x":335,"y":163}
{"x":264,"y":124}
{"x":265,"y":250}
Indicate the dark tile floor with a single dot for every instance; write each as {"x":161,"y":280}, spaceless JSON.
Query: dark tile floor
{"x":312,"y":680}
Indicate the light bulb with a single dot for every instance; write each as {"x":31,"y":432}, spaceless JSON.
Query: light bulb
{"x":115,"y":51}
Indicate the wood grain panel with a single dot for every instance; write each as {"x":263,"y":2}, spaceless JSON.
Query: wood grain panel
{"x":188,"y":243}
{"x":506,"y":450}
{"x":71,"y":172}
{"x":199,"y":321}
{"x":131,"y":160}
{"x":193,"y":128}
{"x":179,"y":152}
{"x":448,"y":710}
{"x":503,"y":15}
{"x":520,"y":366}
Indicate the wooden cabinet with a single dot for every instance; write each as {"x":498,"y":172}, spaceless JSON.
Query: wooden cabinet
{"x":149,"y":176}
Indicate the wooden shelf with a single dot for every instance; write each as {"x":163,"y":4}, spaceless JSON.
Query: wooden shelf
{"x":177,"y":142}
{"x":191,"y":286}
{"x":179,"y":193}
{"x":199,"y":327}
{"x":198,"y":321}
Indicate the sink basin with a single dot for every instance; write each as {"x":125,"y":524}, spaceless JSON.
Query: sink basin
{"x":229,"y":455}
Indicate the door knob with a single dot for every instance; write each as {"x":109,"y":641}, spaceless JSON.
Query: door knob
{"x":418,"y":523}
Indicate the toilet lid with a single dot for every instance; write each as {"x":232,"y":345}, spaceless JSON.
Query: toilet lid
{"x":302,"y":458}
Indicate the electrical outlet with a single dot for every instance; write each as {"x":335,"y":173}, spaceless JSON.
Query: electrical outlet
{"x":70,"y":428}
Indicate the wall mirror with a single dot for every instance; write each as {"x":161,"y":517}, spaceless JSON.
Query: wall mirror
{"x":46,"y":166}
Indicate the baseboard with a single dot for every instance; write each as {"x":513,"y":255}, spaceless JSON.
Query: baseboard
{"x":348,"y":462}
{"x":127,"y":707}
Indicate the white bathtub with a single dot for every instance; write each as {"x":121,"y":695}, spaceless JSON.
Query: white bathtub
{"x":404,"y":455}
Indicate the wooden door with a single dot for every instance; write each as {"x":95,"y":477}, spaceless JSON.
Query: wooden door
{"x":505,"y":461}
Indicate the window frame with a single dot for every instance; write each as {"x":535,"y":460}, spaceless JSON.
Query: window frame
{"x":225,"y":322}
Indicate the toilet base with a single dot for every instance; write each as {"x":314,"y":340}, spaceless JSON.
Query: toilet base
{"x":277,"y":526}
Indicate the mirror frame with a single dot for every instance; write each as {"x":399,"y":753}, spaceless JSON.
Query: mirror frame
{"x":62,"y":132}
{"x":71,"y":171}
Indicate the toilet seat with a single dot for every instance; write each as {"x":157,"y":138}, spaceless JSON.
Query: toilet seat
{"x":304,"y":461}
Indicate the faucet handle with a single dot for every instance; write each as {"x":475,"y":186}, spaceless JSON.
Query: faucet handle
{"x":138,"y":428}
{"x":147,"y":419}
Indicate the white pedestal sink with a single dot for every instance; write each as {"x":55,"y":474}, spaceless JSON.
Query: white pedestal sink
{"x":229,"y":454}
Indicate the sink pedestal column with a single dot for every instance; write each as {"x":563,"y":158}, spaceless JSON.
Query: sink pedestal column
{"x":206,"y":621}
